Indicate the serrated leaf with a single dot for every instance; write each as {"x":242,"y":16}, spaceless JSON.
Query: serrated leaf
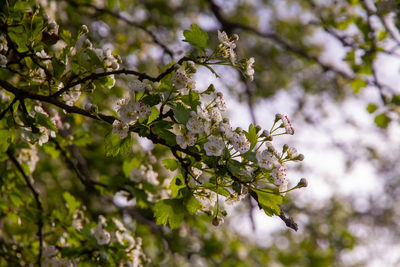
{"x":177,"y":184}
{"x":170,"y":164}
{"x":125,"y":145}
{"x":269,"y":202}
{"x":190,"y":202}
{"x":196,"y":37}
{"x":151,"y":100}
{"x":357,"y":84}
{"x":221,"y":190}
{"x":72,"y":203}
{"x":111,"y":144}
{"x":154,"y":114}
{"x":251,"y":136}
{"x":169,"y":211}
{"x":396,"y":100}
{"x":45,"y":121}
{"x":371,"y":108}
{"x":181,"y":113}
{"x":382,"y":120}
{"x":5,"y":140}
{"x":192,"y":99}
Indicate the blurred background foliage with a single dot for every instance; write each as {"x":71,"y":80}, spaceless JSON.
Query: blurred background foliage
{"x":290,"y":40}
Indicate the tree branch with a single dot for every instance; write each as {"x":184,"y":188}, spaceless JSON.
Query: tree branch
{"x":38,"y":204}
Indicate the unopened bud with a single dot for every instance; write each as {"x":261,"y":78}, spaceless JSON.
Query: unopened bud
{"x":216,"y":221}
{"x":258,"y":128}
{"x":192,"y":113}
{"x":303,"y":183}
{"x":285,"y":148}
{"x":84,"y":29}
{"x":266,"y":133}
{"x":278,"y":117}
{"x":88,"y":106}
{"x":239,"y":130}
{"x":300,"y":157}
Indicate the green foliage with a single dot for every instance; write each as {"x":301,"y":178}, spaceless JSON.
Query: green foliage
{"x":269,"y":201}
{"x":196,"y":37}
{"x":169,"y":211}
{"x":382,"y":120}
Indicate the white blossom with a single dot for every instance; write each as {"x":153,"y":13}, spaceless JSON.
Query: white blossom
{"x":202,"y":113}
{"x":207,"y":199}
{"x":185,"y":140}
{"x":240,"y":142}
{"x":292,"y":152}
{"x":267,"y":160}
{"x":72,"y":95}
{"x":194,"y":125}
{"x":180,"y":79}
{"x":29,"y":156}
{"x":120,"y":128}
{"x":279,"y":175}
{"x":249,"y":68}
{"x":219,"y":100}
{"x":136,"y":175}
{"x":128,"y":113}
{"x":152,"y":177}
{"x":143,"y":109}
{"x":214,"y":146}
{"x":215,"y":115}
{"x":3,"y":61}
{"x":102,"y":236}
{"x":287,"y":125}
{"x":139,"y":86}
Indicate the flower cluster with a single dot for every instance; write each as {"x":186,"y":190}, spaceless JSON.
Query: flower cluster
{"x":130,"y":110}
{"x":227,"y":46}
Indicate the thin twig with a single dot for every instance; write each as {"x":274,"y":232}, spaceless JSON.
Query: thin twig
{"x":38,"y":204}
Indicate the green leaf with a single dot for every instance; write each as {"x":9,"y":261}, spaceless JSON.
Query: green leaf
{"x":181,"y":113}
{"x":168,"y":136}
{"x":357,"y":84}
{"x":5,"y":140}
{"x":382,"y":120}
{"x":125,"y":145}
{"x":221,"y":190}
{"x":170,"y":164}
{"x":251,"y":136}
{"x":196,"y":37}
{"x":237,"y":187}
{"x":190,"y":202}
{"x":269,"y":202}
{"x":94,"y":59}
{"x":192,"y":99}
{"x":72,"y":203}
{"x":151,"y":100}
{"x":169,"y":211}
{"x":177,"y":184}
{"x":154,"y":114}
{"x":58,"y":67}
{"x":44,"y":120}
{"x":396,"y":100}
{"x":371,"y":108}
{"x":111,"y":144}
